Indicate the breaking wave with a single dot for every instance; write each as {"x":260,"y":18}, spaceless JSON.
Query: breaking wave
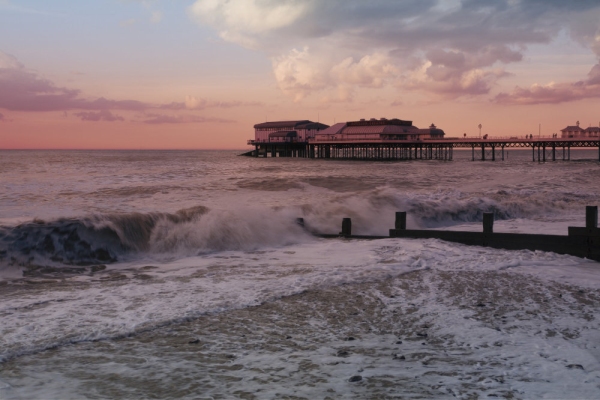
{"x":100,"y":239}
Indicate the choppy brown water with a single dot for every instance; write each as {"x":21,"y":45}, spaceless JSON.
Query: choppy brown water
{"x":185,"y":275}
{"x":393,"y":334}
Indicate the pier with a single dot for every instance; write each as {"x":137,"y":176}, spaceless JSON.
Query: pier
{"x":490,"y":149}
{"x":579,"y":242}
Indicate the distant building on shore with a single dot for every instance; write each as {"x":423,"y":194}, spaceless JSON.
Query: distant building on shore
{"x":286,"y":131}
{"x":575,"y":131}
{"x":378,"y":129}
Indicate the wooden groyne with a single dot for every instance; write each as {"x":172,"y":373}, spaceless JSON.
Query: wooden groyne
{"x":580,"y":241}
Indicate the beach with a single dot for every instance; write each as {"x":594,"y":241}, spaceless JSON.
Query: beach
{"x":185,"y":275}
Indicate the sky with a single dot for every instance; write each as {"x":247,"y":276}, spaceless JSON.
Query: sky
{"x":198,"y":74}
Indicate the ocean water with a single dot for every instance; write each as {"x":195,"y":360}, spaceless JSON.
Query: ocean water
{"x":183,"y":274}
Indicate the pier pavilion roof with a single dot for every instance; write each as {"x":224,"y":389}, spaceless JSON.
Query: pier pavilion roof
{"x":333,"y":129}
{"x":289,"y":125}
{"x":312,"y":125}
{"x":383,"y":127}
{"x":572,"y":128}
{"x":379,"y":122}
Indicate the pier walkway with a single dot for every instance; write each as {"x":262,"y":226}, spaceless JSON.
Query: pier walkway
{"x":490,"y":149}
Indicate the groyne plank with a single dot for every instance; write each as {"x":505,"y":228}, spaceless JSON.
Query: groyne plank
{"x":579,"y":246}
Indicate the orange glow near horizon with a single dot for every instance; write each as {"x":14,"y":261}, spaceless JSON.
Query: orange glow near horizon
{"x":212,"y":71}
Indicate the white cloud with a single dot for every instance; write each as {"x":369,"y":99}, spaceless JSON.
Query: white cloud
{"x":156,"y":17}
{"x":298,"y":74}
{"x":370,"y":71}
{"x":127,"y":22}
{"x":236,"y":20}
{"x":451,"y":48}
{"x":9,"y":62}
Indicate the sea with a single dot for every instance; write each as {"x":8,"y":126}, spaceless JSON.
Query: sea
{"x":185,"y":274}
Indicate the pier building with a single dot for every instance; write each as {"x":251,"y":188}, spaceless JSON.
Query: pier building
{"x":286,"y":131}
{"x":284,"y":138}
{"x":396,"y":139}
{"x":378,"y":129}
{"x":575,"y":131}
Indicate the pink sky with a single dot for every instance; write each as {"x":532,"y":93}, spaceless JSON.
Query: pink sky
{"x":199,"y":74}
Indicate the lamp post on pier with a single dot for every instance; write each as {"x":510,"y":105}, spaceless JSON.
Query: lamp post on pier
{"x":479,"y":126}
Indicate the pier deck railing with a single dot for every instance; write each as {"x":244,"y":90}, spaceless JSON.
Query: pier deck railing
{"x":489,"y":149}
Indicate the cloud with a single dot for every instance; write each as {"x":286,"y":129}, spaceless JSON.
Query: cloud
{"x":156,"y":17}
{"x":195,"y":103}
{"x":370,"y":71}
{"x":554,"y":93}
{"x":23,"y":90}
{"x":128,"y":22}
{"x":297,"y":74}
{"x":300,"y":73}
{"x":6,"y":4}
{"x":9,"y":62}
{"x":238,"y":19}
{"x":447,"y":48}
{"x":181,"y":119}
{"x":453,"y":74}
{"x":102,"y":115}
{"x":2,"y":117}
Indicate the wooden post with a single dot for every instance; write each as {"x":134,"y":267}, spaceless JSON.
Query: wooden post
{"x":400,"y":220}
{"x":544,"y":152}
{"x":346,"y":227}
{"x":591,"y":217}
{"x":488,"y":222}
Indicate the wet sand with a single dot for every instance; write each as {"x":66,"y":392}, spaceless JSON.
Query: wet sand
{"x":425,"y":334}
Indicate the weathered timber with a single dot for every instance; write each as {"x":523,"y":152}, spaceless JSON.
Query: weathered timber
{"x":488,"y":222}
{"x":580,"y":242}
{"x":579,"y":246}
{"x":591,"y":216}
{"x":400,"y":220}
{"x":346,"y":227}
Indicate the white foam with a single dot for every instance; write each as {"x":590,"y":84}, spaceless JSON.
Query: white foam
{"x":247,"y":250}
